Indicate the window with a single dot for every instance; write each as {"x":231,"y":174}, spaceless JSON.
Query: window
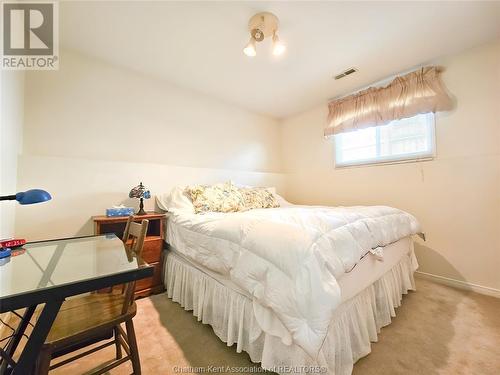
{"x":400,"y":140}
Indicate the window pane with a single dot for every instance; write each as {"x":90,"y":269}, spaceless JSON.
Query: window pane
{"x":405,"y":139}
{"x":359,"y":145}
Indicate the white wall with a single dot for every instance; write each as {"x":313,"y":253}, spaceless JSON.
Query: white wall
{"x":456,"y":197}
{"x":94,"y":110}
{"x":82,"y":188}
{"x":11,"y":127}
{"x":94,"y":130}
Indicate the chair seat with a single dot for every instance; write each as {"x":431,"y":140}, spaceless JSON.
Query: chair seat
{"x":80,"y":317}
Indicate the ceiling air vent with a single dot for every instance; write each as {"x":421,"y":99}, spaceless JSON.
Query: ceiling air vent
{"x":345,"y":73}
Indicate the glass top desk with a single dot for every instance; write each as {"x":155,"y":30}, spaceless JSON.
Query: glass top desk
{"x":48,"y":272}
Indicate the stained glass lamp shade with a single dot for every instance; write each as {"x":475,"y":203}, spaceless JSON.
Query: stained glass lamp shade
{"x":141,"y":192}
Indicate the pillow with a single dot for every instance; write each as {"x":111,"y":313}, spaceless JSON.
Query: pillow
{"x":176,"y":200}
{"x":216,"y":198}
{"x":272,"y":189}
{"x":259,"y":198}
{"x":282,"y":201}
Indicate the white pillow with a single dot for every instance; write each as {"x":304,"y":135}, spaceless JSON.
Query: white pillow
{"x":176,"y":200}
{"x":282,"y":201}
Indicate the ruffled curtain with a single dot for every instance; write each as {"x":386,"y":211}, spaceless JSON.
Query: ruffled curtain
{"x":421,"y":91}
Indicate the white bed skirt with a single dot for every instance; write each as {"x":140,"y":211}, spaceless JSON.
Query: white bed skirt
{"x":354,"y":325}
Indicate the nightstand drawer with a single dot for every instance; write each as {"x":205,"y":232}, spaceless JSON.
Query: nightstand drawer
{"x":150,"y":282}
{"x":151,"y":252}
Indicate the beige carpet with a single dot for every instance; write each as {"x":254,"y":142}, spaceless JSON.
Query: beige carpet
{"x":438,"y":330}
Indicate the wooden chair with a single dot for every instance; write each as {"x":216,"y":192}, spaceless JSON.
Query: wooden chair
{"x":134,"y":234}
{"x":91,"y":319}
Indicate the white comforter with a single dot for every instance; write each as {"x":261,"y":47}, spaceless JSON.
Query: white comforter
{"x":289,"y":258}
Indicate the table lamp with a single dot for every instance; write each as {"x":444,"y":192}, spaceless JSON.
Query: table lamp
{"x":28,"y":197}
{"x":141,"y":192}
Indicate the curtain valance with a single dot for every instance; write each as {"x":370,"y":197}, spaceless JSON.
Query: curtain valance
{"x":421,"y":91}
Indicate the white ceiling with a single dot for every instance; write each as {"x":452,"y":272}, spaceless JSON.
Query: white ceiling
{"x":198,"y":45}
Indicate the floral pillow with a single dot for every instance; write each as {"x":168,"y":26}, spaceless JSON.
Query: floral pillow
{"x":216,"y":198}
{"x":258,"y":198}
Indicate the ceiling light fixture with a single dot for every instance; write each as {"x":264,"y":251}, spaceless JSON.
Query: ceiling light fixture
{"x":261,"y":26}
{"x":278,"y":47}
{"x":249,"y":50}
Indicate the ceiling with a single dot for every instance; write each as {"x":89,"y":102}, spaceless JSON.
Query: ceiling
{"x":198,"y":45}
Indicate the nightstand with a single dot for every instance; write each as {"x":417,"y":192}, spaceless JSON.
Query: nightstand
{"x":152,"y":252}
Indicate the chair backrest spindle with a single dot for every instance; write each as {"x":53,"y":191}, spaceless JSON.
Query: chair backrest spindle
{"x":134,"y":235}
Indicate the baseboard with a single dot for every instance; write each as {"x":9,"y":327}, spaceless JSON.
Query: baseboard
{"x":460,"y":284}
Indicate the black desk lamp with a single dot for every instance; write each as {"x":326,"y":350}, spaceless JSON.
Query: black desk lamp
{"x":28,"y":197}
{"x":24,"y":197}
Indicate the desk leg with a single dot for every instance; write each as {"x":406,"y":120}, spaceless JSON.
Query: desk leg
{"x":37,"y":338}
{"x":18,"y":334}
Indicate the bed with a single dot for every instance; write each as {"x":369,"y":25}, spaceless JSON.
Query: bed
{"x":268,"y":281}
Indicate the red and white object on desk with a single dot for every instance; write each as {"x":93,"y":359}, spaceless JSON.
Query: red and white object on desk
{"x":12,"y":242}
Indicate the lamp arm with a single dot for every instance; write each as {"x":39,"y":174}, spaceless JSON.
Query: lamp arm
{"x":8,"y":197}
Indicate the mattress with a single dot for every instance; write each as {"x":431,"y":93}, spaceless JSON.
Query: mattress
{"x":366,"y":272}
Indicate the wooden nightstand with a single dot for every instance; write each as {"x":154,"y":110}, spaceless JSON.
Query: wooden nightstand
{"x":153,"y":246}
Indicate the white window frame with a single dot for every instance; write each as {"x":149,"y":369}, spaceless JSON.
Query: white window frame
{"x":406,"y":158}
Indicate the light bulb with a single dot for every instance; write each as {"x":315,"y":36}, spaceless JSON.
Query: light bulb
{"x":249,"y":50}
{"x":278,"y":47}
